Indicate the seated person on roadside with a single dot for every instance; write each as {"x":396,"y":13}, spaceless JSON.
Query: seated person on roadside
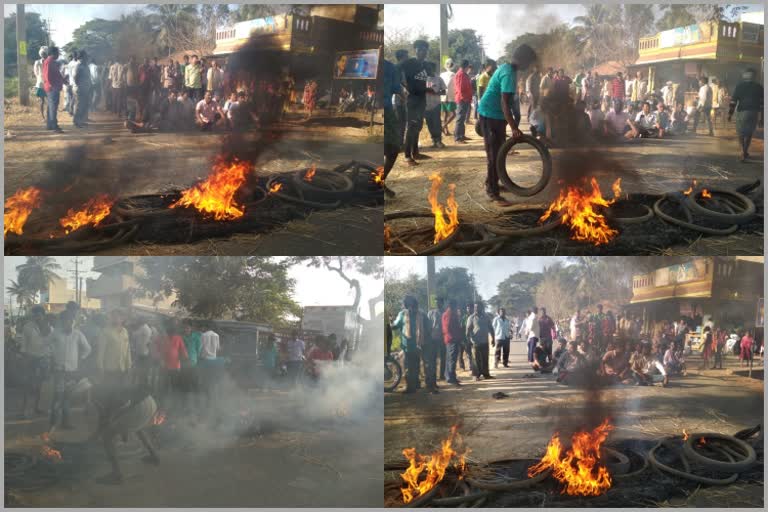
{"x":674,"y":361}
{"x":208,"y":113}
{"x":643,"y":126}
{"x":596,"y":118}
{"x":661,"y":120}
{"x":243,"y":113}
{"x":536,"y":121}
{"x":644,"y":366}
{"x":165,"y":117}
{"x":614,"y":366}
{"x":228,"y":105}
{"x":679,"y":120}
{"x":559,"y":352}
{"x":616,"y":122}
{"x":571,"y":365}
{"x":541,"y":362}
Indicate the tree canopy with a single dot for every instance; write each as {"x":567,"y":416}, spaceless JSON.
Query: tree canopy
{"x":37,"y":36}
{"x":462,"y":44}
{"x":244,"y":288}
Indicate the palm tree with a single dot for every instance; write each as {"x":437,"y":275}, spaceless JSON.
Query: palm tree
{"x":596,"y":30}
{"x":37,"y":273}
{"x":172,"y":20}
{"x":24,"y":296}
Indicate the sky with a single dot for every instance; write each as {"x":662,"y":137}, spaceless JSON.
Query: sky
{"x":497,"y":23}
{"x":314,"y":287}
{"x":489,"y":271}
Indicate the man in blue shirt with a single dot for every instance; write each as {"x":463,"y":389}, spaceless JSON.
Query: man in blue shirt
{"x":495,"y":111}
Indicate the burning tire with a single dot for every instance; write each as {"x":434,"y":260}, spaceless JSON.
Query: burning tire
{"x":501,"y":166}
{"x":746,"y":207}
{"x":536,"y":230}
{"x":324,"y":184}
{"x":729,"y":444}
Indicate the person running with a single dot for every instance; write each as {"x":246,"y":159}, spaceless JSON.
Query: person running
{"x":453,"y":339}
{"x":448,"y":105}
{"x":704,"y":106}
{"x":53,"y":82}
{"x":39,"y":81}
{"x":415,"y":71}
{"x":479,"y":328}
{"x":36,"y":349}
{"x":495,"y":110}
{"x":414,"y":329}
{"x":501,"y":330}
{"x":747,"y":102}
{"x":463,"y":96}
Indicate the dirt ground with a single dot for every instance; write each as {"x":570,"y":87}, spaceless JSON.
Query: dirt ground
{"x":650,"y":166}
{"x":173,"y":160}
{"x":329,"y":462}
{"x":520,"y":426}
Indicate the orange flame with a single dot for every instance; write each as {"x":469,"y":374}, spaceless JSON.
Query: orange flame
{"x":387,"y":237}
{"x":706,"y":193}
{"x":18,"y":207}
{"x":50,"y":454}
{"x":216,"y":195}
{"x":310,"y":173}
{"x":688,"y":191}
{"x":378,"y":175}
{"x":433,"y":466}
{"x":685,"y":435}
{"x":577,"y":208}
{"x":702,"y":441}
{"x":159,"y":418}
{"x":92,"y":212}
{"x":446,"y":217}
{"x":275,"y":188}
{"x":580,"y":469}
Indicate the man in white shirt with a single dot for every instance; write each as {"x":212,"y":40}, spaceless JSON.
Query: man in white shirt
{"x":644,"y":124}
{"x":141,"y":341}
{"x":117,"y":82}
{"x":295,"y":362}
{"x":532,"y":331}
{"x":596,"y":118}
{"x":35,"y":347}
{"x":38,"y":70}
{"x":501,"y":330}
{"x":69,"y":348}
{"x":95,"y":70}
{"x":575,"y":326}
{"x":616,"y":122}
{"x":209,"y":345}
{"x":208,"y":113}
{"x":668,"y":94}
{"x":448,"y":105}
{"x":704,"y":107}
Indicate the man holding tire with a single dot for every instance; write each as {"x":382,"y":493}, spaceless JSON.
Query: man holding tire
{"x":495,"y":110}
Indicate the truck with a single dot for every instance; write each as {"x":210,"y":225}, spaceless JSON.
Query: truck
{"x":343,"y":321}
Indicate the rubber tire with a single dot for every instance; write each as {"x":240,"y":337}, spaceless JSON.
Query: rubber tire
{"x":682,"y":474}
{"x":742,"y":217}
{"x":734,"y":467}
{"x":398,"y":374}
{"x":626,"y":221}
{"x":689,"y":225}
{"x":501,"y":166}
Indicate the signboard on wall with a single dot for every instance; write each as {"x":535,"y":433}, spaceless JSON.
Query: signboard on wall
{"x":356,"y":65}
{"x":680,"y":36}
{"x":750,"y":33}
{"x":267,"y":25}
{"x":683,"y":273}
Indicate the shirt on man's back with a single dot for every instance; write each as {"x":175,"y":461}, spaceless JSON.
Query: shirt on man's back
{"x":69,"y":349}
{"x":748,"y":96}
{"x":503,"y":81}
{"x":209,"y":345}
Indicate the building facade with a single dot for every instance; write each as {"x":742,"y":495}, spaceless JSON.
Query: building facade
{"x":117,"y":286}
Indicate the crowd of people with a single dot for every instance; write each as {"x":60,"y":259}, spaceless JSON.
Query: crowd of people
{"x":562,"y":109}
{"x":173,"y":95}
{"x":597,"y":348}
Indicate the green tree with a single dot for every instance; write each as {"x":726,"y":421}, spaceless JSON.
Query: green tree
{"x":675,"y":15}
{"x":517,"y":292}
{"x":37,"y":35}
{"x":395,"y":288}
{"x":465,"y":44}
{"x":22,"y":293}
{"x":246,"y":288}
{"x":97,"y":37}
{"x":37,"y":273}
{"x":458,"y":284}
{"x":176,"y":23}
{"x":555,"y":292}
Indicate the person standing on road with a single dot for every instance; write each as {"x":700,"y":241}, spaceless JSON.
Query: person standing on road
{"x":478,"y":329}
{"x":413,"y":327}
{"x":393,"y":138}
{"x":39,"y":82}
{"x":747,"y":101}
{"x":36,"y":349}
{"x":435,"y":87}
{"x":449,"y":99}
{"x":399,"y":97}
{"x":434,"y":347}
{"x":618,"y":90}
{"x":466,"y":346}
{"x":69,"y":348}
{"x":532,"y":330}
{"x":52,"y":83}
{"x":746,"y":346}
{"x":415,"y":71}
{"x":532,"y":84}
{"x":82,"y":90}
{"x":117,"y":86}
{"x":704,"y":107}
{"x":463,"y":96}
{"x":501,"y":330}
{"x":547,"y":332}
{"x":495,"y":110}
{"x":453,"y":338}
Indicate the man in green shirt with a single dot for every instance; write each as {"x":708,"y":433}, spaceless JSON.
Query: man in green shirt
{"x":193,"y":79}
{"x":495,"y":109}
{"x":190,"y":373}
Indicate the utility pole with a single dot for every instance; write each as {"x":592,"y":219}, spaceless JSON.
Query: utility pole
{"x":78,"y":281}
{"x":444,"y":15}
{"x":431,"y":283}
{"x":21,"y":54}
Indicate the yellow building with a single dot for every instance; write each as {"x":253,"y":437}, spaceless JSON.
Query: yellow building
{"x":713,"y":49}
{"x":117,"y":286}
{"x":55,"y":298}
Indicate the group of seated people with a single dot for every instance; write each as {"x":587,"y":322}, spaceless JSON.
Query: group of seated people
{"x":178,"y":112}
{"x":619,"y":123}
{"x":621,"y":362}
